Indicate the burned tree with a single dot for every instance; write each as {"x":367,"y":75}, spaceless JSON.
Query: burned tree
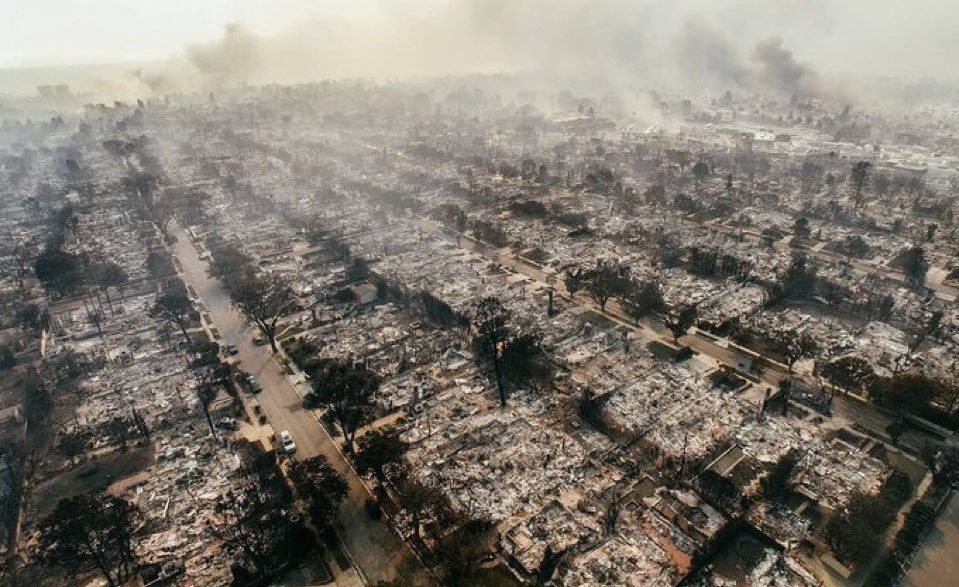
{"x":106,"y":275}
{"x":490,"y":319}
{"x":643,"y":299}
{"x":700,"y":171}
{"x":262,"y":300}
{"x":420,"y":501}
{"x":174,"y":307}
{"x":317,"y":483}
{"x":915,"y":266}
{"x":250,"y":523}
{"x":680,"y":321}
{"x":378,"y":450}
{"x":858,"y":176}
{"x":795,"y":346}
{"x":347,"y":392}
{"x":92,"y":530}
{"x":228,"y":261}
{"x":524,"y":361}
{"x":602,"y":282}
{"x":206,"y":393}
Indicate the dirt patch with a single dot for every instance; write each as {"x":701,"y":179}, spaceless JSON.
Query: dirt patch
{"x":89,"y":477}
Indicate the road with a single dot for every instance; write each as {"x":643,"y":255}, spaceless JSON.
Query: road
{"x":377,"y":552}
{"x":936,"y":564}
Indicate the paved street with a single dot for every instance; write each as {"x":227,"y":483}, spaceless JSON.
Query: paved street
{"x":377,"y":552}
{"x":936,"y":564}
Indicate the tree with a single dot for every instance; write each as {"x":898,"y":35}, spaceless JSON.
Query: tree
{"x":377,"y":450}
{"x":700,"y":171}
{"x":206,"y":393}
{"x":799,"y":281}
{"x":678,"y":157}
{"x":934,"y":323}
{"x":915,"y":266}
{"x":262,"y":300}
{"x":160,"y":264}
{"x":461,"y":555}
{"x":528,"y":169}
{"x":858,"y":176}
{"x":490,"y":319}
{"x":850,"y":372}
{"x":143,"y":189}
{"x":796,"y":346}
{"x":317,"y":483}
{"x":7,"y":358}
{"x":856,"y":246}
{"x":97,"y":319}
{"x":655,"y":194}
{"x":452,"y":216}
{"x":785,"y":391}
{"x":92,"y":530}
{"x":118,"y":428}
{"x":573,"y":281}
{"x":59,"y":271}
{"x":347,"y":392}
{"x":106,"y":275}
{"x":602,"y":282}
{"x":20,"y":255}
{"x":174,"y":307}
{"x":420,"y":501}
{"x":228,"y":261}
{"x":853,"y":534}
{"x":250,"y":522}
{"x":643,"y":299}
{"x":801,"y":231}
{"x":681,"y":321}
{"x":776,"y":482}
{"x":31,"y":317}
{"x":703,"y":261}
{"x":357,"y":270}
{"x":908,"y":392}
{"x":881,"y":184}
{"x":524,"y":361}
{"x":943,"y":460}
{"x":810,"y":174}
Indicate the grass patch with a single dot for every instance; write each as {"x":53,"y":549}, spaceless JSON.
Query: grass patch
{"x":599,"y":320}
{"x":288,"y":332}
{"x":661,"y":351}
{"x":90,"y":477}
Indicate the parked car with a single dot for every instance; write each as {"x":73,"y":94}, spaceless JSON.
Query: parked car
{"x":230,"y":349}
{"x":253,"y":384}
{"x":286,"y":440}
{"x":227,"y":424}
{"x":259,"y":341}
{"x":258,"y":411}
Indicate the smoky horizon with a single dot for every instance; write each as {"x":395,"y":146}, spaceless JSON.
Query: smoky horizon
{"x":837,"y":51}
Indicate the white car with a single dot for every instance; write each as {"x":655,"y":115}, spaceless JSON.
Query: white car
{"x":286,"y":439}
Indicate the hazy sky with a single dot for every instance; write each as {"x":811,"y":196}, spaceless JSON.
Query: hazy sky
{"x":374,"y":37}
{"x":74,"y":32}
